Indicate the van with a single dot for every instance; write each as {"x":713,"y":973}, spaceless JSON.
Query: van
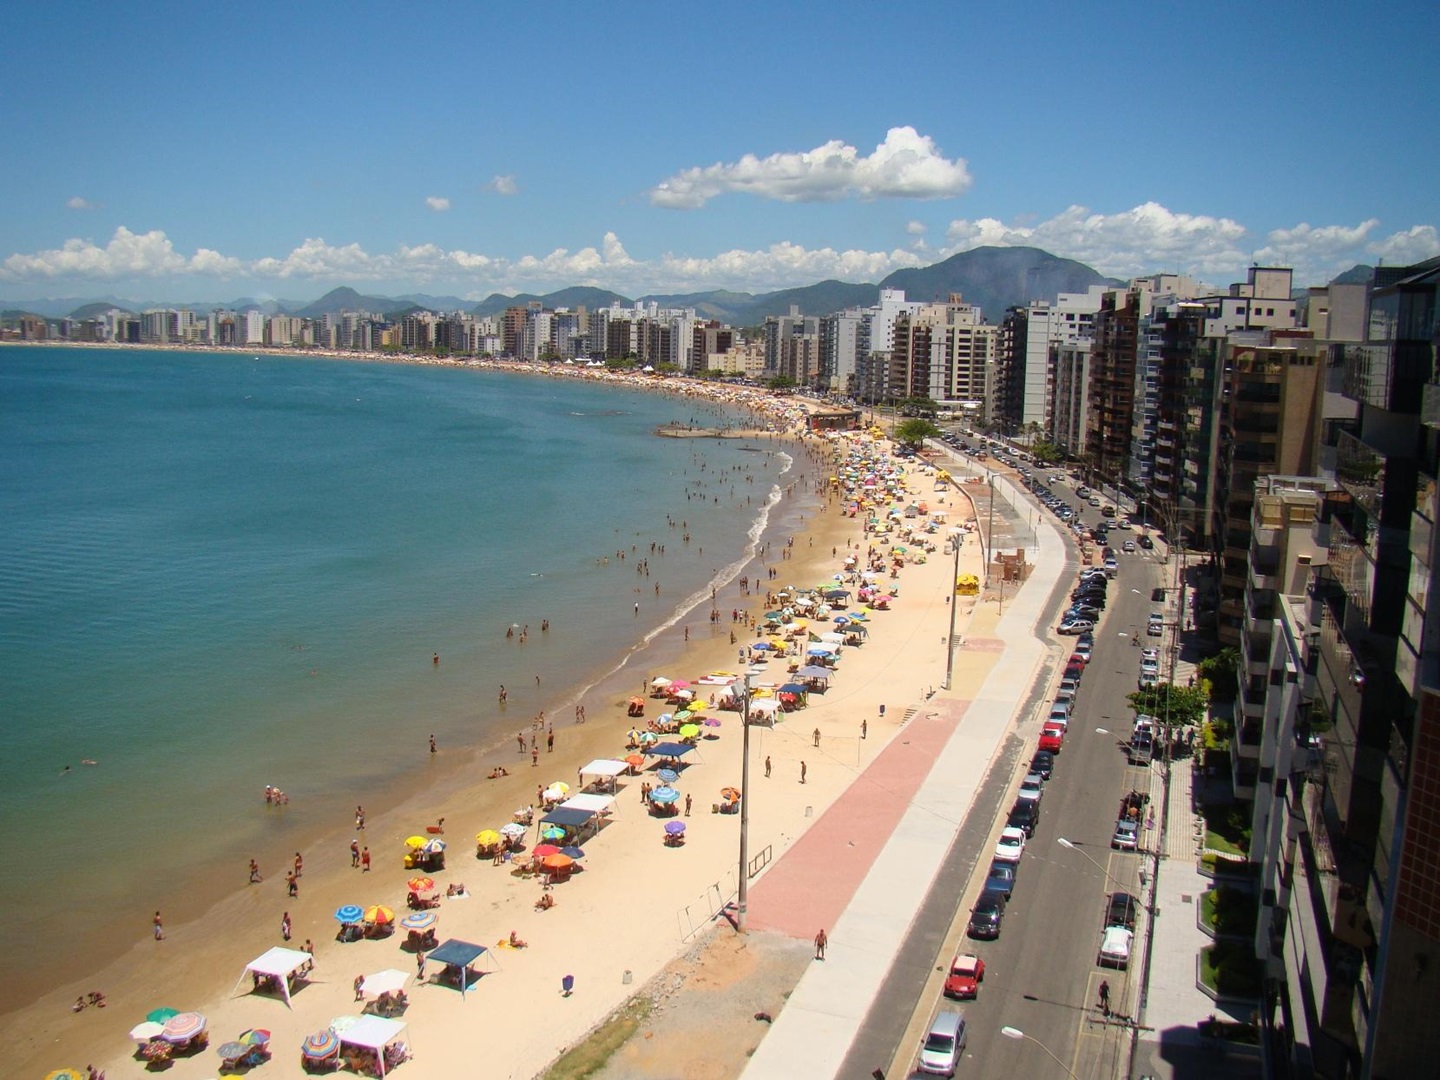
{"x":943,"y":1045}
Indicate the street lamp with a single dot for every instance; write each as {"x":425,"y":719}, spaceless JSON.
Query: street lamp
{"x":1072,"y":846}
{"x":955,"y":538}
{"x":743,"y":899}
{"x":1016,"y":1033}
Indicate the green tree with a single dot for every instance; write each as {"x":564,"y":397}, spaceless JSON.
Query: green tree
{"x":915,"y":431}
{"x":1047,"y":453}
{"x":781,"y":382}
{"x":1220,"y":671}
{"x":1178,"y":704}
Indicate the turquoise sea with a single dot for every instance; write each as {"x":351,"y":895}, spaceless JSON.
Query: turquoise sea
{"x":219,"y":572}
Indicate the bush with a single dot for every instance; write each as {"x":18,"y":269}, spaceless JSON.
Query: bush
{"x":1230,"y":969}
{"x":1231,"y":911}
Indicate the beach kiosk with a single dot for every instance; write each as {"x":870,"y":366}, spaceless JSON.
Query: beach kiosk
{"x":458,"y":960}
{"x":373,"y":1045}
{"x":278,"y":968}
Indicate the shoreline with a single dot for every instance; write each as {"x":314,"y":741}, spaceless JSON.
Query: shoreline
{"x":236,"y":915}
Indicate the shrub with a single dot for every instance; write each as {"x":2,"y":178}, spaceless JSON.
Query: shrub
{"x":1230,"y":969}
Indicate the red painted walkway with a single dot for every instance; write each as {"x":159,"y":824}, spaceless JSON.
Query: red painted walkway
{"x":812,"y":883}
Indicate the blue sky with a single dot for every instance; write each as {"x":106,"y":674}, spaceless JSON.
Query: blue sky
{"x":194,"y":152}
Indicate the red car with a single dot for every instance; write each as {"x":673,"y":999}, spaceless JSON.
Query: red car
{"x":1051,"y":736}
{"x":967,"y":972}
{"x":1075,"y":668}
{"x":1077,"y":658}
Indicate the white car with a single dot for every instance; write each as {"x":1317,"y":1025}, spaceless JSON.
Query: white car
{"x":1128,"y":547}
{"x":1148,"y":680}
{"x":1122,"y":524}
{"x":1011,"y":844}
{"x":1149,"y":666}
{"x":1115,"y":947}
{"x":1150,"y":655}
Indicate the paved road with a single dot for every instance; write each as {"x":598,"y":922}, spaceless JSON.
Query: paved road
{"x":1041,"y":974}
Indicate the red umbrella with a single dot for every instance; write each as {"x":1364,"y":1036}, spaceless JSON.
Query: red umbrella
{"x":542,"y":850}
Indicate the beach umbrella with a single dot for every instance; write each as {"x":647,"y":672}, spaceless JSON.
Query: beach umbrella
{"x":182,"y":1027}
{"x":541,"y":850}
{"x":515,"y":829}
{"x":711,"y":721}
{"x":321,"y":1045}
{"x":65,"y":1074}
{"x":487,"y":837}
{"x":421,"y":920}
{"x":558,"y":861}
{"x":555,"y":793}
{"x":663,"y":718}
{"x":553,"y":833}
{"x":434,"y":846}
{"x":379,"y":914}
{"x":659,"y":681}
{"x":146,"y":1030}
{"x":159,"y":1016}
{"x":255,"y":1037}
{"x":342,"y":1024}
{"x":730,"y":794}
{"x":689,"y":731}
{"x":415,"y":841}
{"x":421,"y":884}
{"x":649,"y":737}
{"x":633,"y":735}
{"x":573,"y":851}
{"x":232,"y":1051}
{"x":761,"y":646}
{"x":674,"y":828}
{"x":664,"y":795}
{"x":156,"y":1050}
{"x":349,"y":913}
{"x":679,"y":684}
{"x":634,"y":760}
{"x":667,"y":776}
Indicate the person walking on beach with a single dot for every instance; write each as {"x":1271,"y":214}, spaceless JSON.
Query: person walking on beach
{"x":254,"y":872}
{"x":299,"y":864}
{"x":520,"y":740}
{"x":815,"y":737}
{"x":767,"y":766}
{"x":802,"y":772}
{"x":359,"y":817}
{"x":432,"y":743}
{"x":359,"y":982}
{"x":292,"y":883}
{"x":864,"y":728}
{"x":365,"y":860}
{"x":285,"y":926}
{"x":550,"y":741}
{"x":355,"y":852}
{"x":820,"y":942}
{"x":534,"y":758}
{"x":503,"y":695}
{"x":159,"y":928}
{"x":687,"y":805}
{"x":420,"y":967}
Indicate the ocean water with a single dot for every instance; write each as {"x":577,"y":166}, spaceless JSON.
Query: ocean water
{"x":219,"y":572}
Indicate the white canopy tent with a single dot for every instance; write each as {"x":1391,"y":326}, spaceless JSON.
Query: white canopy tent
{"x":279,"y":964}
{"x":385,"y":982}
{"x":373,"y":1033}
{"x":605,"y":770}
{"x":595,"y":804}
{"x":764,"y":710}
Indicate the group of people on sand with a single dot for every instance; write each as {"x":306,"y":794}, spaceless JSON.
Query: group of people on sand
{"x":95,"y":997}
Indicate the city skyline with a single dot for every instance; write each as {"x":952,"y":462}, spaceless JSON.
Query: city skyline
{"x":273,"y":153}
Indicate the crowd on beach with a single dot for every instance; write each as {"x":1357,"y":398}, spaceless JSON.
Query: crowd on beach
{"x":837,"y":468}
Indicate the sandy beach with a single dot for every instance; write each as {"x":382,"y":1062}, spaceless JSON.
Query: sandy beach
{"x":635,"y":906}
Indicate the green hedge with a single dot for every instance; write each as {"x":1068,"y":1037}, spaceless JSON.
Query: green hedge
{"x":1230,"y":969}
{"x":1228,"y":910}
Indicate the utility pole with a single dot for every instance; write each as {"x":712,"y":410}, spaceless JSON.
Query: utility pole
{"x":743,"y":899}
{"x":954,"y":603}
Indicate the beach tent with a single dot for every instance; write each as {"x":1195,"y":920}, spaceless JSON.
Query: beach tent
{"x":595,"y":804}
{"x":669,"y":749}
{"x":814,"y":671}
{"x":279,"y":963}
{"x":766,"y":709}
{"x":604,"y":770}
{"x":460,"y":955}
{"x":570,"y":818}
{"x":373,"y":1033}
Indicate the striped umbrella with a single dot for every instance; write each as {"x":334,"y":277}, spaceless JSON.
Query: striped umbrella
{"x":349,"y":913}
{"x":421,"y":884}
{"x":379,"y":914}
{"x":421,"y":920}
{"x":434,"y":847}
{"x":255,"y":1037}
{"x":321,"y":1045}
{"x":667,"y":776}
{"x":513,"y":829}
{"x":182,"y":1027}
{"x":664,"y":795}
{"x":232,"y":1051}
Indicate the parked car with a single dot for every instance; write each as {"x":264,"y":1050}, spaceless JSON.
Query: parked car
{"x":1075,"y":626}
{"x":1074,"y":669}
{"x":1011,"y":844}
{"x":1126,"y":836}
{"x":1032,"y":788}
{"x":1115,"y":947}
{"x":1148,"y":680}
{"x":967,"y":972}
{"x":943,"y":1045}
{"x":1120,"y":910}
{"x":1043,"y":763}
{"x":1145,"y":541}
{"x":1150,"y":655}
{"x":1112,"y":566}
{"x":1070,"y":682}
{"x":1083,"y":610}
{"x":1066,"y":698}
{"x":1025,"y":814}
{"x":986,"y":917}
{"x":1052,"y":737}
{"x":1156,"y":626}
{"x":1001,"y":878}
{"x":1084,"y":650}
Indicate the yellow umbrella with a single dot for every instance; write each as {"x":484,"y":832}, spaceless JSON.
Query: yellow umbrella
{"x":415,"y":841}
{"x":689,"y":731}
{"x":560,"y":786}
{"x":421,"y":884}
{"x":696,"y":707}
{"x":487,"y":837}
{"x":380,"y":915}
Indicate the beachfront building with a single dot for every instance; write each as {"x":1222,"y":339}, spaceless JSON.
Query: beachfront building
{"x":942,"y":352}
{"x":1070,"y":400}
{"x":844,"y":339}
{"x":1028,"y":339}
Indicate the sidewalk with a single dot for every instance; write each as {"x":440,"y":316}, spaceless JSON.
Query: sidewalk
{"x":920,"y":790}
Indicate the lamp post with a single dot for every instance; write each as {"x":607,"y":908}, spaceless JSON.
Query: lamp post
{"x":954,"y":603}
{"x":1016,"y":1033}
{"x":990,"y":529}
{"x":743,"y":899}
{"x":1072,"y":846}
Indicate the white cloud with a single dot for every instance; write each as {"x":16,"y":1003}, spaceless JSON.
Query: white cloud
{"x":504,"y":184}
{"x":1151,"y":237}
{"x":314,"y":258}
{"x":438,"y":203}
{"x":78,"y":203}
{"x":126,"y":255}
{"x":916,"y":228}
{"x":906,"y":165}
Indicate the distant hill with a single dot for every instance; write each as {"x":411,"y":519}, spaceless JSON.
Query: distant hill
{"x":572,"y":297}
{"x":347,"y":299}
{"x":1359,"y":274}
{"x":997,"y":278}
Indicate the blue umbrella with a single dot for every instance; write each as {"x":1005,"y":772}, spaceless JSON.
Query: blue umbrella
{"x":573,"y":851}
{"x":668,"y":776}
{"x":664,"y":795}
{"x":349,"y":913}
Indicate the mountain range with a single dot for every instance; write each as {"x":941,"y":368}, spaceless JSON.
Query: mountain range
{"x":992,"y":278}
